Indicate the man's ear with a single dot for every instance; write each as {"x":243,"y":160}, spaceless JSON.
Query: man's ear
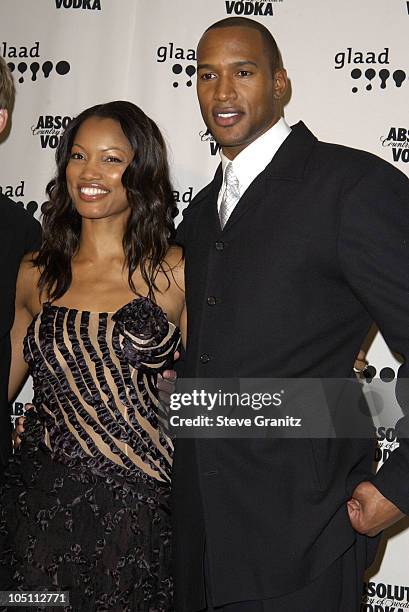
{"x":280,"y":83}
{"x":3,"y":118}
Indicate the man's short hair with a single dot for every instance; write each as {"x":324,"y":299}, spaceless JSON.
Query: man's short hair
{"x":7,"y":90}
{"x":268,"y":39}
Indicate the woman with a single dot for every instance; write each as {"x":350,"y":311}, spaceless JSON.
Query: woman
{"x":85,"y":507}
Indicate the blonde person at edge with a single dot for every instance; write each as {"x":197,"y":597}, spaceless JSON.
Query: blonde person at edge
{"x":20,"y":233}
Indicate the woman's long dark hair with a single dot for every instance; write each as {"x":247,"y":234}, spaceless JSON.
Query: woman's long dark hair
{"x":150,"y":228}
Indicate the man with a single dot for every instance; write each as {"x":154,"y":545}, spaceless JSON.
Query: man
{"x":19,"y":234}
{"x":292,"y":251}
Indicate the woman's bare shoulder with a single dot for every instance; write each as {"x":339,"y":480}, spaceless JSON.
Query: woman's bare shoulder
{"x":28,"y":268}
{"x":174,"y":267}
{"x":174,"y":257}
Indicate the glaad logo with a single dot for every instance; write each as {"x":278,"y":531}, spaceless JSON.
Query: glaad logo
{"x":18,"y":192}
{"x":8,"y":52}
{"x":93,"y":5}
{"x":385,"y":374}
{"x":250,"y":7}
{"x":185,"y":196}
{"x":206,"y":136}
{"x":398,"y":141}
{"x":49,"y":128}
{"x":13,"y":192}
{"x":348,"y":57}
{"x":181,"y":71}
{"x":381,"y":597}
{"x":31,"y":206}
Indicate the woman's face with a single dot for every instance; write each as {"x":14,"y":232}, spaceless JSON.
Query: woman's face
{"x":99,"y":156}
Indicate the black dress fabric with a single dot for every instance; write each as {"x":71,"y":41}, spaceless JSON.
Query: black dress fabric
{"x":85,"y":506}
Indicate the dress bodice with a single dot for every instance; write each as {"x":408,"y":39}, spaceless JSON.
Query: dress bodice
{"x":95,"y":393}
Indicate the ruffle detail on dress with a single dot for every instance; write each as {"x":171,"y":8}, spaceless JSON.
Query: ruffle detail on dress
{"x":33,"y":435}
{"x":145,"y":335}
{"x":143,"y":319}
{"x":85,"y":503}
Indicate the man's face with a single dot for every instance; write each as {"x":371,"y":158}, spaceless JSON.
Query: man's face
{"x":237,"y":88}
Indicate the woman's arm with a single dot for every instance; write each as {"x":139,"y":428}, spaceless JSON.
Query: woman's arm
{"x":26,"y":297}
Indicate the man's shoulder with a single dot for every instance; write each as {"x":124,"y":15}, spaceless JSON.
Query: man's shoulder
{"x":8,"y":208}
{"x":349,"y":154}
{"x":24,"y":228}
{"x":329,"y":156}
{"x":350,"y":162}
{"x":14,"y":214}
{"x":190,"y":214}
{"x":199,"y":199}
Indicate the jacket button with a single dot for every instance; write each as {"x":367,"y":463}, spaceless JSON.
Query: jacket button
{"x":204,"y":358}
{"x":211,"y":300}
{"x":219,"y":245}
{"x":211,"y":473}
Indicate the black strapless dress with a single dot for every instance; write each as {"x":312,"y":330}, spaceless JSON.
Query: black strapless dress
{"x":85,"y":507}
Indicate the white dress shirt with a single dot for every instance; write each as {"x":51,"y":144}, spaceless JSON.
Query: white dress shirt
{"x":250,"y":162}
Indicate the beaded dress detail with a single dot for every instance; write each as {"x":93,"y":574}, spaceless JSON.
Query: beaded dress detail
{"x":85,"y":505}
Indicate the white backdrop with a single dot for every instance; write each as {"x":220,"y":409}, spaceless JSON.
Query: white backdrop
{"x":348,"y":66}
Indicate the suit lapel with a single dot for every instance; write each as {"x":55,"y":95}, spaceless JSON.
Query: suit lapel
{"x":288,"y":165}
{"x":214,"y":194}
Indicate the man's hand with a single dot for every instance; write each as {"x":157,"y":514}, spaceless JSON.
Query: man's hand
{"x":370,"y":512}
{"x":360,"y":362}
{"x":166,"y":383}
{"x":166,"y":386}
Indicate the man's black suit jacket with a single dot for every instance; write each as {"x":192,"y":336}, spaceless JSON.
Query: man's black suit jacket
{"x":19,"y":234}
{"x":316,"y":249}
